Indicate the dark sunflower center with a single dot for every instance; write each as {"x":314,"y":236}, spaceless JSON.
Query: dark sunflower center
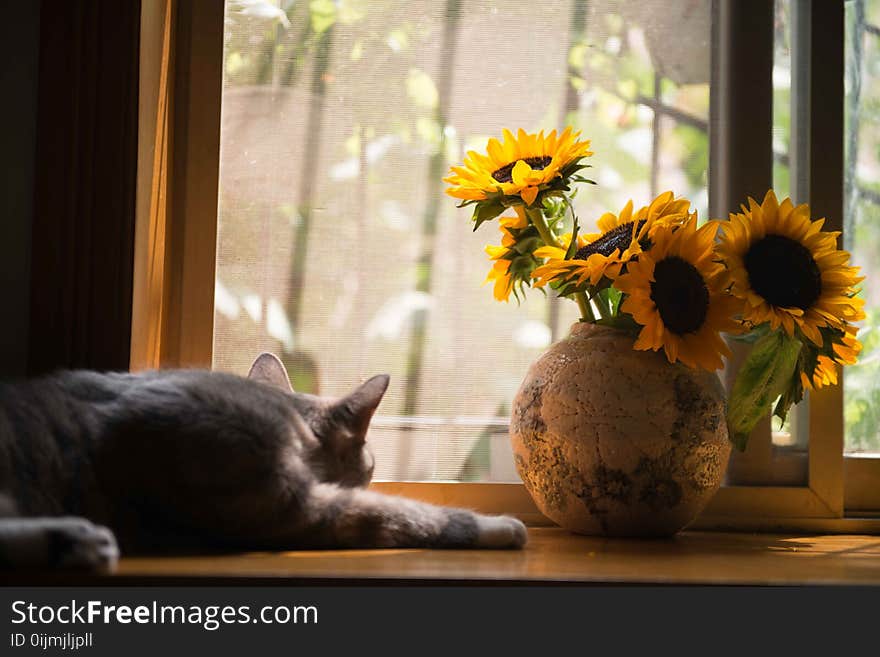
{"x":783,"y":271}
{"x":617,"y":238}
{"x":681,"y":295}
{"x":505,"y":173}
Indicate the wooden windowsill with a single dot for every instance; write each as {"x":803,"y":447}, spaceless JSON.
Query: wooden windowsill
{"x":552,"y":556}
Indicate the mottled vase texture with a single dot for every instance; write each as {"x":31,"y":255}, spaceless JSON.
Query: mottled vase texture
{"x":617,"y":442}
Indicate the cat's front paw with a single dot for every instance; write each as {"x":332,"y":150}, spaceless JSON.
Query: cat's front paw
{"x":501,"y":532}
{"x":76,"y":543}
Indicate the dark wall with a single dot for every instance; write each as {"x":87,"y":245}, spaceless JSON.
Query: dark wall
{"x":20,"y":35}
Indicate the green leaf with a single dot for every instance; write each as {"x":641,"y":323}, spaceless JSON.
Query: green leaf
{"x":621,"y":322}
{"x":765,"y":375}
{"x":567,"y":289}
{"x":794,"y":392}
{"x":611,"y":296}
{"x":486,"y":211}
{"x":527,"y":245}
{"x":752,"y":336}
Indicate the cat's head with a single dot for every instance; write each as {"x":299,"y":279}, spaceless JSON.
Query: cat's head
{"x":336,"y":427}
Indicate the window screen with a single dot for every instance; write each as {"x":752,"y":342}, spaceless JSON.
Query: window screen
{"x":338,"y":249}
{"x":862,"y":217}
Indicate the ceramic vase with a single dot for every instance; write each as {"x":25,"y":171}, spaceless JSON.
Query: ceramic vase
{"x":617,"y":442}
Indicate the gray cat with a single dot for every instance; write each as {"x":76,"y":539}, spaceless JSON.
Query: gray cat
{"x":191,"y":459}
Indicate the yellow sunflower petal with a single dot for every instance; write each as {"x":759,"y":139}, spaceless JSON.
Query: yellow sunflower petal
{"x":528,"y":194}
{"x":654,"y":284}
{"x":787,"y":270}
{"x":553,"y":252}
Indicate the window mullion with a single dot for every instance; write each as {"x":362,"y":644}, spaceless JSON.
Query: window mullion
{"x":826,"y":162}
{"x":741,"y":156}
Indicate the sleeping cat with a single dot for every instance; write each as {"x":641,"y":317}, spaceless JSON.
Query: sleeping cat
{"x":192,"y":459}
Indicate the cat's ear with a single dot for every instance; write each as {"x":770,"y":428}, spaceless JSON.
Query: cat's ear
{"x":356,"y":410}
{"x":268,"y":368}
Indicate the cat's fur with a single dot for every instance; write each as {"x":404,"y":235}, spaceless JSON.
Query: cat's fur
{"x":193,"y":459}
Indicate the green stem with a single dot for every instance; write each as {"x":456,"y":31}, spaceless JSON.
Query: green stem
{"x":536,"y":216}
{"x":584,"y":305}
{"x":604,"y":310}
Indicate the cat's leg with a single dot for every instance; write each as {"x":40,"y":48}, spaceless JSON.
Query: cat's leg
{"x":61,"y":542}
{"x":358,"y":518}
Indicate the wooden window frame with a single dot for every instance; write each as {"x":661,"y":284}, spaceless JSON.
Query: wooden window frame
{"x":177,"y":229}
{"x":178,"y":176}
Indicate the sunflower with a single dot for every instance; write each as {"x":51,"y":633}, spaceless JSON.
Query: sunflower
{"x":787,"y":270}
{"x":675,"y":292}
{"x":819,"y":366}
{"x":520,"y":166}
{"x":621,"y":238}
{"x":513,"y":259}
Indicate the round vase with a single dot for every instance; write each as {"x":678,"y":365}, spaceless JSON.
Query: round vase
{"x":617,"y":442}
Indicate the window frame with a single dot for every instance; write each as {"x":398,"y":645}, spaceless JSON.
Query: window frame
{"x":177,"y":230}
{"x":178,"y":166}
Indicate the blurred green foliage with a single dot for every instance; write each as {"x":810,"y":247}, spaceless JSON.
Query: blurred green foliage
{"x":862,"y":380}
{"x":648,"y":132}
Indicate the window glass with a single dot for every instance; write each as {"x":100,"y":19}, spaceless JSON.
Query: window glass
{"x":793,"y":433}
{"x":782,"y":97}
{"x":862,"y":216}
{"x":338,"y":248}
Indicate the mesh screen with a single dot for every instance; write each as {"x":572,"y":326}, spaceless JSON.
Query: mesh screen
{"x":338,"y":249}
